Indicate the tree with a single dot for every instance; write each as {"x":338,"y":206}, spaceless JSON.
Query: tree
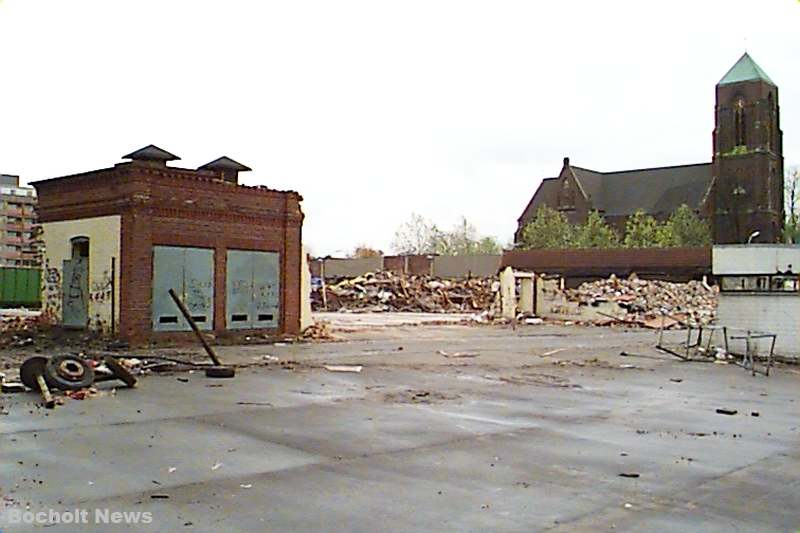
{"x":791,"y":197}
{"x":421,"y":236}
{"x":548,"y":229}
{"x":685,"y":228}
{"x":594,"y":233}
{"x":463,"y":239}
{"x":417,"y":236}
{"x":642,"y":231}
{"x":362,"y":250}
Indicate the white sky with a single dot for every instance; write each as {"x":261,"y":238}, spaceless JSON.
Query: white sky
{"x":372,"y":109}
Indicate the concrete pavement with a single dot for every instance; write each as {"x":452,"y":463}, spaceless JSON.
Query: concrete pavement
{"x":530,"y":434}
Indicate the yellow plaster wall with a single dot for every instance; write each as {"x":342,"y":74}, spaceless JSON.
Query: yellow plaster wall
{"x":104,"y":243}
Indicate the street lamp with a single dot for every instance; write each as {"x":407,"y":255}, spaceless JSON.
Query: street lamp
{"x":753,"y":236}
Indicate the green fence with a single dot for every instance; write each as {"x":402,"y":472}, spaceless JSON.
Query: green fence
{"x":20,"y":287}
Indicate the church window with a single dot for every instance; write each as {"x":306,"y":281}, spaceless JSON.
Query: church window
{"x":739,"y":123}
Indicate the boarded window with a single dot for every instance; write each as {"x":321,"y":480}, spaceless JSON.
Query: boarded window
{"x":253,"y":290}
{"x":190,"y":273}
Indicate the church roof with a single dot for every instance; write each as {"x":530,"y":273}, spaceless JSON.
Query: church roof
{"x":745,"y":70}
{"x":657,"y":191}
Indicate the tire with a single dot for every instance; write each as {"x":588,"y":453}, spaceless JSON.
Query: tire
{"x":67,"y":372}
{"x":220,"y":372}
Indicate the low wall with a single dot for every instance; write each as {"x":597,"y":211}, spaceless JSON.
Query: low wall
{"x":776,"y":313}
{"x":675,"y":264}
{"x":463,"y":266}
{"x":459,"y":266}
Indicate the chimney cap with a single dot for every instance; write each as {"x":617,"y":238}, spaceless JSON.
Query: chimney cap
{"x":151,"y":152}
{"x":566,"y":161}
{"x":225,"y":163}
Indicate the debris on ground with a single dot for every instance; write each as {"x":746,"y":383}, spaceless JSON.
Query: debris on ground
{"x":343,"y":368}
{"x":320,"y":330}
{"x":629,"y":474}
{"x":729,"y":412}
{"x":417,"y":396}
{"x":650,"y":303}
{"x":11,"y":387}
{"x":390,"y":291}
{"x":457,"y":355}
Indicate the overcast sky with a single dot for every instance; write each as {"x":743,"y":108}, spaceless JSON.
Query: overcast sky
{"x":372,"y":109}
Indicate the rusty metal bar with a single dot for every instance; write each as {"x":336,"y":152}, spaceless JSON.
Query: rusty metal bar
{"x":209,"y":350}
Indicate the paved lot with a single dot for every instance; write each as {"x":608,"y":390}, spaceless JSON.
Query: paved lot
{"x":530,"y":434}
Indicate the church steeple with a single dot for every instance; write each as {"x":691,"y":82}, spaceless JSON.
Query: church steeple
{"x":745,"y":70}
{"x":748,"y":156}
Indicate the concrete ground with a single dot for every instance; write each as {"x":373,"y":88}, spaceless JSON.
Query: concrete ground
{"x":446,"y":428}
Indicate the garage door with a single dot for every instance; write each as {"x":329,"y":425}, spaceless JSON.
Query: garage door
{"x":190,"y":272}
{"x":252,"y":289}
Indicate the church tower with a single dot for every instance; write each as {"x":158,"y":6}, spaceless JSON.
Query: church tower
{"x":747,"y":189}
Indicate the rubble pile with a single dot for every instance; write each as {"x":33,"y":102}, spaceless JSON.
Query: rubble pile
{"x":319,"y":331}
{"x":389,"y":291}
{"x":651,"y":302}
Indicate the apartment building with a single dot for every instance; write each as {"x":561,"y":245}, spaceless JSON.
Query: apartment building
{"x":18,"y":239}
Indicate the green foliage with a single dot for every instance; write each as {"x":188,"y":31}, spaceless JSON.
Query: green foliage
{"x":685,"y":228}
{"x":594,"y":233}
{"x":736,"y":150}
{"x":548,"y":229}
{"x":642,"y":231}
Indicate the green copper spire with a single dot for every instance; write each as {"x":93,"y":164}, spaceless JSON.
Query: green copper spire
{"x":745,"y":70}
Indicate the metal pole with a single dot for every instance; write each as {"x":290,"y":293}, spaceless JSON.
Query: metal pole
{"x":190,"y":320}
{"x":113,"y":295}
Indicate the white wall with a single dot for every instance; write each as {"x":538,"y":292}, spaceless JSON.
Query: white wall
{"x":755,"y":259}
{"x":776,"y":313}
{"x":104,"y":243}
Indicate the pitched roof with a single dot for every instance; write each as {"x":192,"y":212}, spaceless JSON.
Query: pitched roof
{"x":151,"y":153}
{"x":225,"y":163}
{"x":546,"y":194}
{"x":745,"y":70}
{"x":657,"y":191}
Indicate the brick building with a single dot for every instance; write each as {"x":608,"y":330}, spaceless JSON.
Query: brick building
{"x":117,"y":239}
{"x":739,"y":192}
{"x":18,"y":223}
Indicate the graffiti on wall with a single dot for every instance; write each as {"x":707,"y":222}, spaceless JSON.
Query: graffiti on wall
{"x":51,"y":292}
{"x":52,"y":296}
{"x":100,"y":290}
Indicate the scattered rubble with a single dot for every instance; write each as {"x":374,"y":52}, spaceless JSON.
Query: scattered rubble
{"x":457,"y":355}
{"x":389,"y":291}
{"x":319,"y":331}
{"x":343,"y":368}
{"x":650,"y":303}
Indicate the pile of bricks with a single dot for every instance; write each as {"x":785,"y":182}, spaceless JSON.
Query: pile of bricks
{"x":652,"y":302}
{"x":388,"y":291}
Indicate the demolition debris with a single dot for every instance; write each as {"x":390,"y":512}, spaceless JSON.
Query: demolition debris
{"x":650,"y":303}
{"x":388,"y":291}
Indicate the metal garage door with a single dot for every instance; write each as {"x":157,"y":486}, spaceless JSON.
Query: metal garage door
{"x":190,"y":272}
{"x":253,"y":290}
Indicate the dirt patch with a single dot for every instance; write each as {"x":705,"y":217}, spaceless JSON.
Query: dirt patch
{"x":537,"y":378}
{"x":418,"y":396}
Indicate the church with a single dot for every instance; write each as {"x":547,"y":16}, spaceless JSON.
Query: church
{"x":739,"y":192}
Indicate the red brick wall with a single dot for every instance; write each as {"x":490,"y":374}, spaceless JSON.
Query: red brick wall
{"x":176,"y":207}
